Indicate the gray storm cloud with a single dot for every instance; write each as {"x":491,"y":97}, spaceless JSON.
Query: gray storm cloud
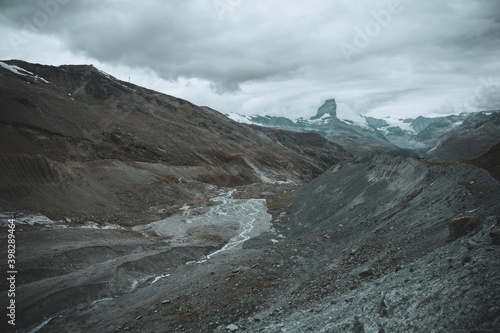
{"x":488,"y":97}
{"x":394,"y":48}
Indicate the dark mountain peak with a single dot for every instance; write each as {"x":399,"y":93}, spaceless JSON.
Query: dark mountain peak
{"x":420,"y":123}
{"x":329,"y":107}
{"x":474,"y":136}
{"x":377,"y":123}
{"x":80,"y":69}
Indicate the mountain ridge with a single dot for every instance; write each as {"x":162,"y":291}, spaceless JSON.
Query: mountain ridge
{"x":78,"y":116}
{"x":420,"y":137}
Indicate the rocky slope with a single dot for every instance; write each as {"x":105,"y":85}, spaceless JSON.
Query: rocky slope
{"x":474,"y":137}
{"x":77,"y":142}
{"x":420,"y":134}
{"x":489,"y":161}
{"x":376,"y":244}
{"x":384,"y":250}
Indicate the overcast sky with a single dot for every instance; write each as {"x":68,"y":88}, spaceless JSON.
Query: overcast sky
{"x":380,"y":58}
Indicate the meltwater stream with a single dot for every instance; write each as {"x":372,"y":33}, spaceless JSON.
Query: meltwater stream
{"x":250,"y":214}
{"x":237,"y":219}
{"x":246,"y":218}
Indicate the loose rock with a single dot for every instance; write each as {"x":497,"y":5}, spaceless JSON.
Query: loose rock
{"x":232,"y":328}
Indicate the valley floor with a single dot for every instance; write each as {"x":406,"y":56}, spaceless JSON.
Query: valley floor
{"x":365,"y":247}
{"x":71,"y":271}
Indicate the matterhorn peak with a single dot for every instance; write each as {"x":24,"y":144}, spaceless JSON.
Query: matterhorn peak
{"x":329,"y":107}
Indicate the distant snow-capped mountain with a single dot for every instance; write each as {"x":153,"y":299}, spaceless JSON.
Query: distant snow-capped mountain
{"x":339,"y":124}
{"x":362,"y":135}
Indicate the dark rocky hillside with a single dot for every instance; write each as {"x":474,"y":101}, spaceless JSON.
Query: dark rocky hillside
{"x":374,"y":251}
{"x":474,"y":137}
{"x":489,"y":161}
{"x":78,"y":142}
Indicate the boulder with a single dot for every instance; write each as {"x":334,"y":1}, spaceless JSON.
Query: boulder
{"x":461,"y":226}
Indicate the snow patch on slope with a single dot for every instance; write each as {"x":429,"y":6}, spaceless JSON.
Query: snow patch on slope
{"x":321,"y":120}
{"x":239,"y":118}
{"x":20,"y":71}
{"x":398,"y":122}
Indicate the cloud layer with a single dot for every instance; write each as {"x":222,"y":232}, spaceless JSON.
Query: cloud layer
{"x":399,"y":58}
